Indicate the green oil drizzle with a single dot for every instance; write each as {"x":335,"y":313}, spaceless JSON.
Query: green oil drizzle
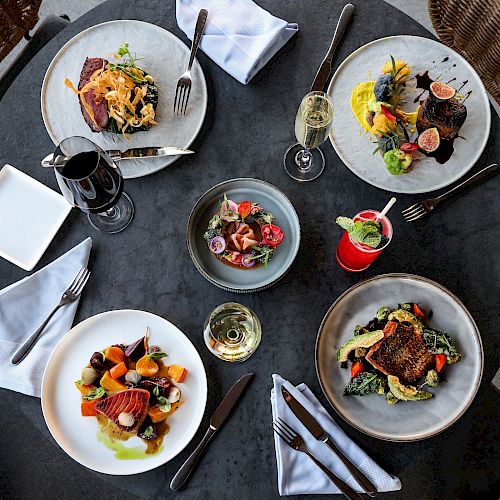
{"x":121,"y":452}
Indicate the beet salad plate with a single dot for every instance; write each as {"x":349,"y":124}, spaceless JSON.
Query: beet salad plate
{"x":141,"y":98}
{"x":243,"y":235}
{"x":426,"y":110}
{"x":399,"y":371}
{"x":114,"y":406}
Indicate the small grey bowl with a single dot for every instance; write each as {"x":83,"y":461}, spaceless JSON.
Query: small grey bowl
{"x":243,"y":280}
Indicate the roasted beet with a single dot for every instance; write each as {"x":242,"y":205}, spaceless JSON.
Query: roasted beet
{"x":97,"y":361}
{"x":161,"y":382}
{"x":136,"y":350}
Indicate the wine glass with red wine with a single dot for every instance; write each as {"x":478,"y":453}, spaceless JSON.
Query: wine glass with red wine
{"x":91,"y":181}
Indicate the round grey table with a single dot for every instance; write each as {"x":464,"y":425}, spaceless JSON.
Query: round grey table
{"x":247,"y":129}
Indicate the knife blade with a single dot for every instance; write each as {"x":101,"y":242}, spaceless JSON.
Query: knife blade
{"x":320,"y":434}
{"x":219,"y":416}
{"x":323,"y":74}
{"x":148,"y":152}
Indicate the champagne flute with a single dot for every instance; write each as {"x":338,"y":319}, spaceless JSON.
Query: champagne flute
{"x":305,"y":161}
{"x":91,"y":181}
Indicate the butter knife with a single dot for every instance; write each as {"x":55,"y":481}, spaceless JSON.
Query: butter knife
{"x":320,"y":434}
{"x":217,"y":419}
{"x":323,"y":74}
{"x":133,"y":154}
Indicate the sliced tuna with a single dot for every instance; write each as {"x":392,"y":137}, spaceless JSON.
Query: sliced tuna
{"x":133,"y":401}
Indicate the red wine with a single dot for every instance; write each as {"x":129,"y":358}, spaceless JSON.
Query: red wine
{"x":91,"y":182}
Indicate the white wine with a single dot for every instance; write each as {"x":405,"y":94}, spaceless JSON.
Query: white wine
{"x":232,"y":332}
{"x":313,"y":121}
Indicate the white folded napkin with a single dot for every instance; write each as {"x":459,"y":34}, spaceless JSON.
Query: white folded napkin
{"x":239,"y":36}
{"x":24,"y":305}
{"x":297,"y":473}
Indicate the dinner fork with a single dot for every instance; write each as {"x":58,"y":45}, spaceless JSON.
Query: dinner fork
{"x":184,"y":84}
{"x":295,"y":441}
{"x":70,"y":295}
{"x":425,"y":207}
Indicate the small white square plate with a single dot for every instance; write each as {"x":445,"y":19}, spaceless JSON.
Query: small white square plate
{"x":30,"y":216}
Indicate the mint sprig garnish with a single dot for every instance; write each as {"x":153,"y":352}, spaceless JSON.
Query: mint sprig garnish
{"x":366,"y":232}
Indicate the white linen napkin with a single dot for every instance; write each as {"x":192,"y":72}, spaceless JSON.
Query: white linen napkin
{"x":297,"y":473}
{"x":239,"y":36}
{"x":23,"y":307}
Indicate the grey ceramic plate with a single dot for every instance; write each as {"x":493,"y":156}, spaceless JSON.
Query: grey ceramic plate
{"x":162,"y":55}
{"x":230,"y":278}
{"x":407,"y":420}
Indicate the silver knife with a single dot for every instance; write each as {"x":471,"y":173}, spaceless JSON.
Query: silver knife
{"x":319,"y":433}
{"x":218,"y":418}
{"x":323,"y":74}
{"x":133,"y":154}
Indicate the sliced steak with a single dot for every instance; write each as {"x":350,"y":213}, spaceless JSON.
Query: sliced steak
{"x":447,"y":116}
{"x":401,"y":352}
{"x":91,"y":65}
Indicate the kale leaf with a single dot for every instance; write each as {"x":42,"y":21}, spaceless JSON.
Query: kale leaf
{"x":364,"y":383}
{"x":439,"y":342}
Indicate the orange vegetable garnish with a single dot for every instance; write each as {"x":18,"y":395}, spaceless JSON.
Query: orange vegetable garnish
{"x":118,"y":370}
{"x":156,"y":415}
{"x":418,"y":312}
{"x":178,"y":373}
{"x":110,"y":384}
{"x":146,"y":367}
{"x":114,"y":354}
{"x":84,"y":389}
{"x":88,"y":408}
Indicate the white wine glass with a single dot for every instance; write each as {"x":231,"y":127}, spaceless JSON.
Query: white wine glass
{"x":304,"y":161}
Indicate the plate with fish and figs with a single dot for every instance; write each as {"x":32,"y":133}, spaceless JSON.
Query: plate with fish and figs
{"x":116,"y":83}
{"x":399,"y":357}
{"x":124,"y":392}
{"x":243,"y":235}
{"x":411,"y":115}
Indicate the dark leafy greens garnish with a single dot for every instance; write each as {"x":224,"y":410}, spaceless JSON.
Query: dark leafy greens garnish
{"x":262,"y":254}
{"x":163,"y":403}
{"x":363,"y":384}
{"x":439,"y":342}
{"x":211,"y":233}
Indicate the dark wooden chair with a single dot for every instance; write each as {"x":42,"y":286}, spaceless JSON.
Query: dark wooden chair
{"x":472,"y":28}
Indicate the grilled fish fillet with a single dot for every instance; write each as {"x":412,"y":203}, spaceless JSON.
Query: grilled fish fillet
{"x":401,"y":352}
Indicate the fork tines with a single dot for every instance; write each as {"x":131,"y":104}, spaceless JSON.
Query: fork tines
{"x":80,"y":281}
{"x":182,"y":95}
{"x":414,"y":212}
{"x":283,"y":430}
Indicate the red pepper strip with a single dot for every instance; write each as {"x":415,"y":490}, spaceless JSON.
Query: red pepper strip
{"x":440,"y":361}
{"x":356,"y":368}
{"x":408,"y":147}
{"x":417,"y":311}
{"x":387,"y":113}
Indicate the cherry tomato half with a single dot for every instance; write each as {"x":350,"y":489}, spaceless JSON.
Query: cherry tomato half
{"x":271,"y":235}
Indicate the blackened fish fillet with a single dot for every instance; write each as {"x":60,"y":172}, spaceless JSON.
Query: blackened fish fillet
{"x":133,"y":401}
{"x":401,"y":352}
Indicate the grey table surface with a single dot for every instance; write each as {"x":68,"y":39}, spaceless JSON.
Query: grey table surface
{"x":247,"y":129}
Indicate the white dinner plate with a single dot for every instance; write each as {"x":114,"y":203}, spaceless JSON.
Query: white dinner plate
{"x":158,"y":52}
{"x":406,"y":420}
{"x":355,"y":148}
{"x":30,"y":216}
{"x":77,"y":435}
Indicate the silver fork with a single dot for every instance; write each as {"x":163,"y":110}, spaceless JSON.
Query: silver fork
{"x":184,"y":84}
{"x":70,"y":295}
{"x":296,"y":442}
{"x":425,"y":207}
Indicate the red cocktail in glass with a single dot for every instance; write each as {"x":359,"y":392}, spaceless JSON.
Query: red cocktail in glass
{"x":354,"y":256}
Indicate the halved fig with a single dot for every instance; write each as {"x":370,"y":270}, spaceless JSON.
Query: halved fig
{"x":429,"y":140}
{"x":441,"y":91}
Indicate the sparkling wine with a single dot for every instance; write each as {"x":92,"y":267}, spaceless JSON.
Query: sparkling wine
{"x":313,"y":121}
{"x":232,"y":332}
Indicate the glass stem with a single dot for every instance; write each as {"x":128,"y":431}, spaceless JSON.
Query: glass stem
{"x":304,"y":159}
{"x":112,"y":214}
